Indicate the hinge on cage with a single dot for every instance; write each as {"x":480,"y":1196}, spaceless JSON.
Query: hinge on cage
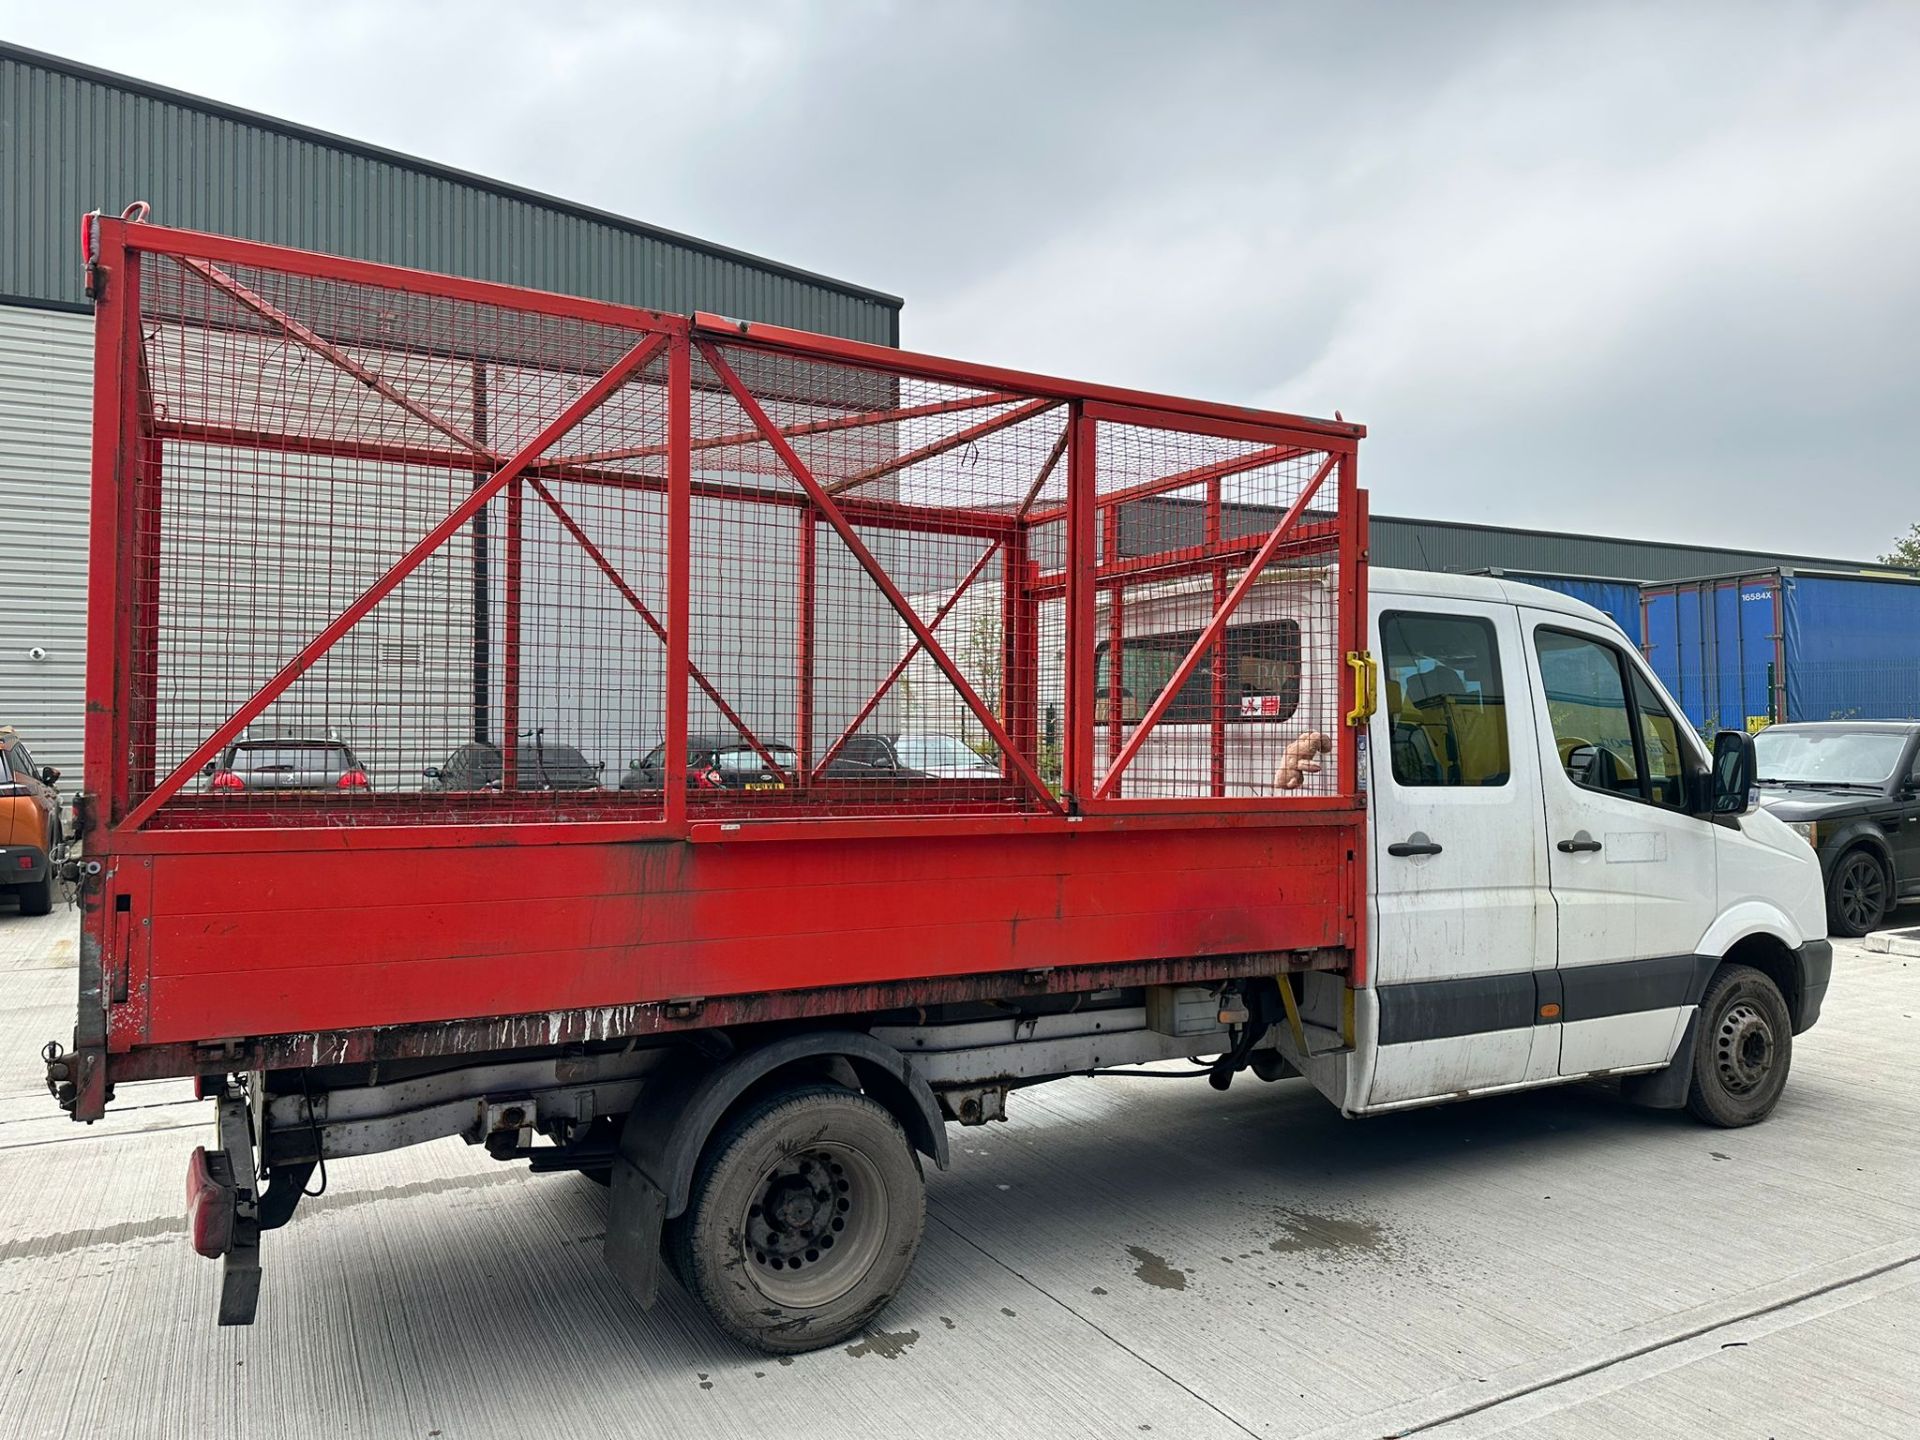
{"x":1366,"y":686}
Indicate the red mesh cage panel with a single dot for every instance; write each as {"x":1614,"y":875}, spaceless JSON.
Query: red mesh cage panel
{"x":390,"y":549}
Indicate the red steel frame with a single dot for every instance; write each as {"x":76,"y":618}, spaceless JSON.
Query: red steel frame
{"x":1082,"y":878}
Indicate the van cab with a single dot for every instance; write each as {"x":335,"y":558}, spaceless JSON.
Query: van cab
{"x":1552,"y":894}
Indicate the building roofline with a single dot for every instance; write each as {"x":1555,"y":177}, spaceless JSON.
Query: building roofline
{"x":1772,"y":558}
{"x":221,"y":110}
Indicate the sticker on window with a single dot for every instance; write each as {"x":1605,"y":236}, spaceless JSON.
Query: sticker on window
{"x":1262,"y":707}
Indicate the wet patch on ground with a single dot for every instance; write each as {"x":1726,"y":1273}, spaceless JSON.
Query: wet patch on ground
{"x":1155,"y":1270}
{"x":887,"y":1344}
{"x":1333,"y":1237}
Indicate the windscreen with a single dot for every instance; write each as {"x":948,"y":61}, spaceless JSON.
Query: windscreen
{"x":293,"y":756}
{"x":930,"y":752}
{"x":1827,"y":757}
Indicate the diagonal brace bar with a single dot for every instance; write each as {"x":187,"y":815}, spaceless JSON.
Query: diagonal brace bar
{"x":585,"y":404}
{"x":851,"y":539}
{"x":1214,"y":470}
{"x":325,"y":348}
{"x":607,"y":568}
{"x":907,"y":659}
{"x":954,"y":441}
{"x":807,"y":427}
{"x":1210,"y":635}
{"x":1033,"y":491}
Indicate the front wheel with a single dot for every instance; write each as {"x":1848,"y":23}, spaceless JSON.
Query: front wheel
{"x":803,"y":1220}
{"x":1743,"y":1049}
{"x":1858,"y":894}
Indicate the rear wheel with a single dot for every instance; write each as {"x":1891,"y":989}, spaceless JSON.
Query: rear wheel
{"x":1743,"y":1050}
{"x":803,"y":1220}
{"x":37,"y":898}
{"x":1858,"y":894}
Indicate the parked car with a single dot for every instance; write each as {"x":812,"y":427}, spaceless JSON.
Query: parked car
{"x":716,"y":762}
{"x":910,"y":757}
{"x":30,"y":830}
{"x":542,"y":765}
{"x":1852,"y":790}
{"x":286,"y":762}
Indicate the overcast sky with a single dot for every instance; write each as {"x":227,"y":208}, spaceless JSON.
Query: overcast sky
{"x":1632,"y":269}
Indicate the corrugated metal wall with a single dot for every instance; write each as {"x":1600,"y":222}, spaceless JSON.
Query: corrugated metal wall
{"x":46,"y":361}
{"x":73,"y":140}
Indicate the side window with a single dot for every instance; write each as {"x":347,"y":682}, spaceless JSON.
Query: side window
{"x":1445,"y":704}
{"x":1660,"y":738}
{"x":22,"y":761}
{"x":865,"y":752}
{"x":1606,"y":741}
{"x":1262,"y":675}
{"x":1263,"y":671}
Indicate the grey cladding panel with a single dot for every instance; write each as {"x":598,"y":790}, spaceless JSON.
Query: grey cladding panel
{"x":45,"y":415}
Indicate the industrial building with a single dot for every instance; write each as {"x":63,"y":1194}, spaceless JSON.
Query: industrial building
{"x":75,"y":139}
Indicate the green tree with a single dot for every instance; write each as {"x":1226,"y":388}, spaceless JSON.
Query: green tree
{"x":1906,"y":551}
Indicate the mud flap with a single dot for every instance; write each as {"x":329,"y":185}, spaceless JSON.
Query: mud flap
{"x":1666,"y":1089}
{"x":240,"y":1266}
{"x":636,"y":1214}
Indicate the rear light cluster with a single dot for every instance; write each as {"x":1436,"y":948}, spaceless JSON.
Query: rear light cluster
{"x":355,"y":779}
{"x":227,"y":780}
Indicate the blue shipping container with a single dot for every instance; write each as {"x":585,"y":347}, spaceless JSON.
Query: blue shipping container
{"x":1739,"y":651}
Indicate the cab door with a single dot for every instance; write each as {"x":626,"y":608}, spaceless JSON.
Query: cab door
{"x":1634,"y":879}
{"x":1462,"y":916}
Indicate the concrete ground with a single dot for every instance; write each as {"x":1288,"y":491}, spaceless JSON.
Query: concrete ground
{"x":1125,"y":1256}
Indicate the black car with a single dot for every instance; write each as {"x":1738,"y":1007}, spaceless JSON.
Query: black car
{"x":717,"y":762}
{"x":1852,"y":790}
{"x":918,"y":756}
{"x":542,"y":765}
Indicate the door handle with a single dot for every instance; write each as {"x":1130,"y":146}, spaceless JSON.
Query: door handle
{"x":1579,"y":843}
{"x":1421,"y":846}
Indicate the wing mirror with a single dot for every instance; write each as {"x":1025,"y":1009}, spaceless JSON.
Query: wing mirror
{"x":1734,"y":771}
{"x":209,"y":768}
{"x":432,"y":772}
{"x":49,"y":775}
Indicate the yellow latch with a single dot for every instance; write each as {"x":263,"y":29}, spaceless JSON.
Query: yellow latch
{"x":1366,"y":686}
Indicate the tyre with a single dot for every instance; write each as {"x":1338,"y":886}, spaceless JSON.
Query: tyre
{"x":1858,"y":894}
{"x":1743,"y":1049}
{"x":804,"y":1216}
{"x":37,"y":898}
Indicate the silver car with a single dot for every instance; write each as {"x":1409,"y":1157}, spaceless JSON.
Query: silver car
{"x":282,"y":763}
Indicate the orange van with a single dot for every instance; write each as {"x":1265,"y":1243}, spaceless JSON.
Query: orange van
{"x":29,"y":825}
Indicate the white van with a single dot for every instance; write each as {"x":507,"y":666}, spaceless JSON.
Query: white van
{"x":1550,"y":897}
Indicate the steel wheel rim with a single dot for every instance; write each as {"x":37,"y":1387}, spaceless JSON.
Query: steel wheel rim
{"x":1862,"y":893}
{"x":1743,"y":1048}
{"x":814,"y":1225}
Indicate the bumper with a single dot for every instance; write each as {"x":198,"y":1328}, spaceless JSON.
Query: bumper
{"x":1816,"y":970}
{"x":22,"y":864}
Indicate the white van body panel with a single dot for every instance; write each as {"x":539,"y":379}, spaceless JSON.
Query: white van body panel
{"x":1498,"y":960}
{"x":1616,"y":929}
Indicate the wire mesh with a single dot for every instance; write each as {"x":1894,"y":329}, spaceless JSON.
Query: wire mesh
{"x":877,"y":574}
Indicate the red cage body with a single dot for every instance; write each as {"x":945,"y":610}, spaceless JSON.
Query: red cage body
{"x":669,"y":671}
